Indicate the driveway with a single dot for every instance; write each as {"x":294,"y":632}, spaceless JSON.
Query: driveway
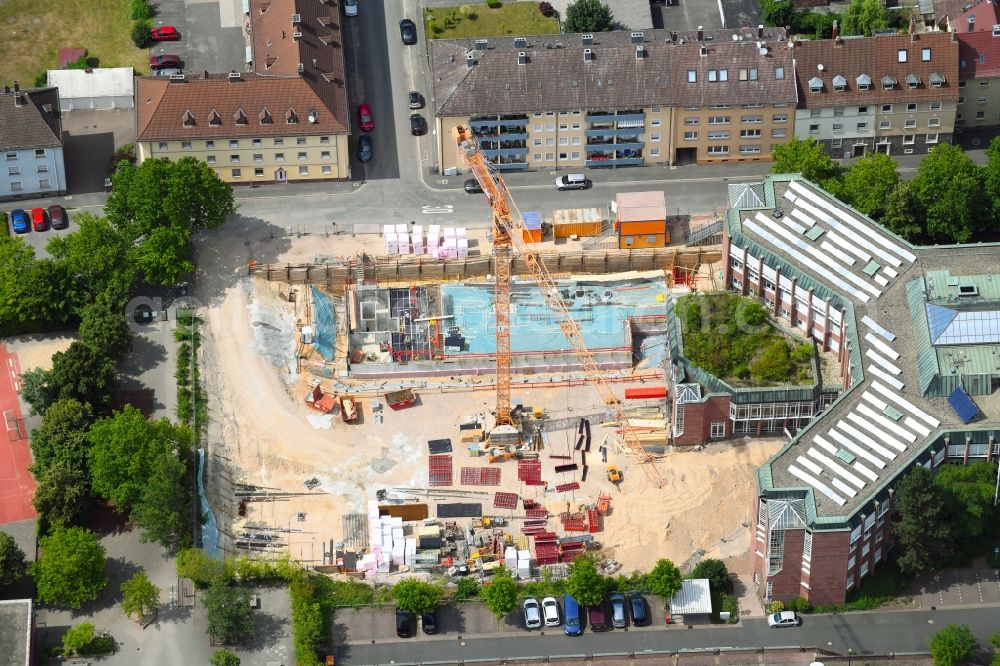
{"x":684,"y":15}
{"x":212,"y":36}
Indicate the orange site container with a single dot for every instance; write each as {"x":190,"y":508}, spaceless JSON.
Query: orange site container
{"x":645,"y":227}
{"x":642,"y":241}
{"x":577,"y":221}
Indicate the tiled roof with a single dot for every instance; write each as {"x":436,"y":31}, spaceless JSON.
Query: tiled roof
{"x":558,"y":75}
{"x":978,"y":55}
{"x":876,"y":59}
{"x":30,"y":119}
{"x":984,"y":16}
{"x":298,"y":74}
{"x":216,"y":106}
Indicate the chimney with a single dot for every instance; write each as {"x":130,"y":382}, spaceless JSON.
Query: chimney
{"x":18,"y":99}
{"x":701,"y":33}
{"x":588,"y":55}
{"x":673,"y":36}
{"x":17,"y":86}
{"x":470,"y":59}
{"x":522,"y":58}
{"x":6,"y":89}
{"x":704,"y":51}
{"x":913,"y":25}
{"x":836,"y":31}
{"x":760,"y":32}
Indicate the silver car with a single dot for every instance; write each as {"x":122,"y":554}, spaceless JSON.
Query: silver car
{"x":351,"y":7}
{"x":532,"y":614}
{"x":783,"y":619}
{"x":169,"y":71}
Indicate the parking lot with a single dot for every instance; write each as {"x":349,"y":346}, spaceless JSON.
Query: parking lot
{"x":955,"y":588}
{"x":212,"y":36}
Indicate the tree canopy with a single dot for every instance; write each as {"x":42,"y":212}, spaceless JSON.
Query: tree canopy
{"x":665,"y":579}
{"x":867,"y":184}
{"x":500,"y":595}
{"x":968,"y":492}
{"x":62,"y":493}
{"x":81,"y":373}
{"x":230,"y":616}
{"x":94,"y":256}
{"x":224,"y":658}
{"x":716,"y":573}
{"x":585,"y":583}
{"x":805,"y":157}
{"x":12,"y":566}
{"x":950,"y":194}
{"x":62,"y":435}
{"x":952,"y":645}
{"x":70,"y":570}
{"x":864,"y":17}
{"x":778,"y":12}
{"x":923,"y":529}
{"x":139,"y":595}
{"x":417,"y":596}
{"x":588,"y":16}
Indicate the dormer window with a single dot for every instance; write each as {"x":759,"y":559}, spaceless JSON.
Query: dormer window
{"x":214,"y":119}
{"x":188,"y":119}
{"x":291,"y":117}
{"x":888,"y":82}
{"x":240,"y":118}
{"x":864,"y":82}
{"x":839,"y":83}
{"x":912,"y":81}
{"x":265,"y":117}
{"x":936,"y":80}
{"x":815,"y":84}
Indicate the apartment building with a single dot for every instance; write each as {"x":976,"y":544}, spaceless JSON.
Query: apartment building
{"x":615,"y":99}
{"x":31,"y":141}
{"x":979,"y":79}
{"x":895,"y":94}
{"x":285,"y":121}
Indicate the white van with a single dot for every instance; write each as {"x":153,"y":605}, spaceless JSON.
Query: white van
{"x":572,"y":181}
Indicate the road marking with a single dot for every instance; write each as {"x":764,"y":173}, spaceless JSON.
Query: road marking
{"x":979,"y":586}
{"x":444,"y":209}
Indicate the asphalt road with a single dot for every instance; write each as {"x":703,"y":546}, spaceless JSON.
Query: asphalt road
{"x":864,"y":633}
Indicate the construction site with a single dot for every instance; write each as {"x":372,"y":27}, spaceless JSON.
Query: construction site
{"x":449,"y":416}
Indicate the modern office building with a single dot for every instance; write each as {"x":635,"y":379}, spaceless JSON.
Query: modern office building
{"x":286,"y":121}
{"x":32,"y":144}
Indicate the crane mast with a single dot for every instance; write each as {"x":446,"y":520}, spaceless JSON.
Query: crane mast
{"x":507,"y":237}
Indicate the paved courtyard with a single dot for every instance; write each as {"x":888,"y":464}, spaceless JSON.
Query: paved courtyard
{"x":212,"y":36}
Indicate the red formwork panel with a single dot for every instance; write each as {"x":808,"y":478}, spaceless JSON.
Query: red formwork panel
{"x":593,"y":520}
{"x":536,"y":513}
{"x":505,"y":500}
{"x":439,"y":470}
{"x":567,"y":486}
{"x":645,"y":392}
{"x":480,"y":476}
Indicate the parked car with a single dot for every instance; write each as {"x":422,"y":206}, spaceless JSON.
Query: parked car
{"x":429,"y":621}
{"x":598,"y":618}
{"x":571,"y":611}
{"x":408,"y":32}
{"x":38,"y":220}
{"x":350,"y":7}
{"x":618,"y":613}
{"x":19,"y":221}
{"x":572,"y":181}
{"x":532,"y":614}
{"x":364,"y":148}
{"x":170,"y":71}
{"x":416,"y":100}
{"x":57,"y":215}
{"x":550,"y":611}
{"x":165,"y":33}
{"x":783,"y":619}
{"x":405,"y":623}
{"x":365,"y":118}
{"x":418,"y":126}
{"x":472,"y":186}
{"x":165,"y":60}
{"x":637,"y":606}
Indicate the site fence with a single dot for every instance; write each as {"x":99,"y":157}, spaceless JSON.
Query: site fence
{"x":336,"y":275}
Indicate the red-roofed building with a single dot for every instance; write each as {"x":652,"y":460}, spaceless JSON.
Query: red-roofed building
{"x":979,"y":79}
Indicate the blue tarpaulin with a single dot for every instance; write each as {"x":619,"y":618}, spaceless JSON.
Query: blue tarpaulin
{"x":324,"y":323}
{"x":532,"y":220}
{"x":963,"y":405}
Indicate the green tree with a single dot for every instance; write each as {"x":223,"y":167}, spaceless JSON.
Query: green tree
{"x":62,"y":436}
{"x":968,"y":492}
{"x":230,"y":616}
{"x":35,"y":295}
{"x":902,"y":213}
{"x":76,"y":639}
{"x":665,"y":579}
{"x":588,"y":16}
{"x":70,"y":570}
{"x":140,"y":34}
{"x":139,"y":595}
{"x":991,"y":175}
{"x":103,"y":327}
{"x":864,"y":17}
{"x":500,"y":594}
{"x":417,"y":596}
{"x":868,"y":183}
{"x":952,"y":645}
{"x":224,"y":658}
{"x":949,"y":190}
{"x":779,"y":13}
{"x":36,"y":390}
{"x":716,"y":573}
{"x":163,"y":509}
{"x":585,"y":583}
{"x":774,"y":364}
{"x":158,"y":204}
{"x":83,"y":374}
{"x":808,"y":158}
{"x":62,"y":494}
{"x":95,"y":257}
{"x":923,"y":529}
{"x":12,"y":566}
{"x":194,"y":564}
{"x":467,"y":588}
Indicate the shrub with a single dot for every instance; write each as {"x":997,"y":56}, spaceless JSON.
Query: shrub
{"x":731,"y":605}
{"x":140,"y":10}
{"x":776,"y":607}
{"x":468,"y":588}
{"x":124,"y":154}
{"x":42,"y":79}
{"x":716,"y":573}
{"x":77,"y":638}
{"x":799,"y":605}
{"x":140,"y":33}
{"x":802,"y":353}
{"x":493,"y":4}
{"x":193,"y":563}
{"x":952,"y":645}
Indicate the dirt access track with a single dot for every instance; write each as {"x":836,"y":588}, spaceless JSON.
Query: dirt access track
{"x":262,"y":434}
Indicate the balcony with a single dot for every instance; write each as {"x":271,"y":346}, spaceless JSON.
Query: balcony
{"x":611,"y":131}
{"x":630,"y":119}
{"x":511,"y":166}
{"x":514,"y":121}
{"x":512,"y":136}
{"x":601,"y":117}
{"x":477,"y":123}
{"x":495,"y":153}
{"x":633,"y":161}
{"x":629,"y":145}
{"x":593,"y":146}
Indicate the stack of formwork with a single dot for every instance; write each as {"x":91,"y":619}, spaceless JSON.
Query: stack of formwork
{"x":546,"y":548}
{"x":573,"y":522}
{"x":504,"y":500}
{"x":569,"y":551}
{"x":480,"y":476}
{"x":593,"y":520}
{"x":530,"y":472}
{"x":439,"y":470}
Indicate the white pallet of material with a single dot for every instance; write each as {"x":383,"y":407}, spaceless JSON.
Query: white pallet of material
{"x":885,"y":376}
{"x":881,"y":437}
{"x":460,"y":232}
{"x":417,"y":231}
{"x":882,"y":361}
{"x":397,"y":533}
{"x":804,"y":260}
{"x":854,"y":448}
{"x":888,"y":424}
{"x":907,"y":405}
{"x":388,"y":229}
{"x":817,"y":484}
{"x":836,"y":468}
{"x":449,"y":232}
{"x":881,"y":346}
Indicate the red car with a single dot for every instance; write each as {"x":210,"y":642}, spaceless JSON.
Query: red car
{"x":167,"y":33}
{"x":38,"y":219}
{"x":365,"y":116}
{"x":164,"y":61}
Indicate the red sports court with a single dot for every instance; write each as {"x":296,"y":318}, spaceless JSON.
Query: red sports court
{"x":16,"y":483}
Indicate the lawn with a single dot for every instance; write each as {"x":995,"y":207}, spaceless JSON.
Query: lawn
{"x":511,"y":18}
{"x":33,"y":31}
{"x":731,"y":337}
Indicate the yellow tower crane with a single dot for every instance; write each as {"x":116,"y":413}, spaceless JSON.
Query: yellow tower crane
{"x":507,"y":236}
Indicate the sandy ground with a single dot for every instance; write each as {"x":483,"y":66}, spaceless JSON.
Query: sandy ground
{"x":35,"y":351}
{"x":261,"y":433}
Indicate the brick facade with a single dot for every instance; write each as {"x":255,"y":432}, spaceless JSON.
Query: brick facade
{"x":698,"y":419}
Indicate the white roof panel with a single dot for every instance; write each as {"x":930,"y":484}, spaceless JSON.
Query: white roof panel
{"x":885,"y":376}
{"x":881,"y":346}
{"x":849,"y":444}
{"x":694,"y":598}
{"x":872,"y":324}
{"x":907,"y":405}
{"x":875,"y":356}
{"x":847,"y":245}
{"x":817,"y":484}
{"x":100,"y":82}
